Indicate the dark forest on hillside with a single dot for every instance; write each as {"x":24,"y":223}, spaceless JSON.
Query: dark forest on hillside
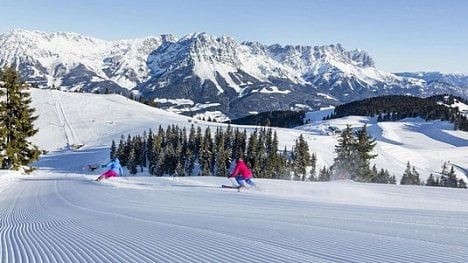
{"x":397,"y":107}
{"x":285,"y":119}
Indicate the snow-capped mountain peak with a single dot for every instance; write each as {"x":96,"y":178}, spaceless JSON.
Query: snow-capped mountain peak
{"x":52,"y":59}
{"x":215,"y":73}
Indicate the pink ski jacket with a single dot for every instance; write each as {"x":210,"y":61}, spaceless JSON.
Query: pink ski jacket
{"x":242,"y":169}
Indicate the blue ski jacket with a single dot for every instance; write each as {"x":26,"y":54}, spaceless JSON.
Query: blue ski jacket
{"x":115,"y":166}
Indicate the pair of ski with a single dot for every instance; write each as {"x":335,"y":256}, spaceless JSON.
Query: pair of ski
{"x":231,"y":187}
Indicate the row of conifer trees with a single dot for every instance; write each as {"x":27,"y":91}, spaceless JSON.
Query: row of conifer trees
{"x":181,"y":152}
{"x":446,"y":178}
{"x":178,"y":152}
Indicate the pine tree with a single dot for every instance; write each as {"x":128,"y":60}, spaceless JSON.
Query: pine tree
{"x":252,"y":155}
{"x":155,"y":153}
{"x":16,"y":122}
{"x":431,"y":181}
{"x":452,"y":178}
{"x":313,"y":170}
{"x":364,"y":147}
{"x":132,"y":161}
{"x":406,"y":178}
{"x":113,"y":150}
{"x":448,"y":178}
{"x":206,"y":153}
{"x":179,"y":169}
{"x":149,"y":147}
{"x":284,"y":166}
{"x":461,"y":183}
{"x":301,"y":158}
{"x":160,"y":167}
{"x":346,"y":162}
{"x":120,"y":149}
{"x":222,"y":159}
{"x":410,"y":176}
{"x":324,"y":174}
{"x":416,"y":179}
{"x":274,"y":158}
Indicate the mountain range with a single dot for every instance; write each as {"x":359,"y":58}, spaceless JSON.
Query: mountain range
{"x":200,"y":73}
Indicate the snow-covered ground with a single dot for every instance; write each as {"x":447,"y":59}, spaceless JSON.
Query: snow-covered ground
{"x":58,"y":214}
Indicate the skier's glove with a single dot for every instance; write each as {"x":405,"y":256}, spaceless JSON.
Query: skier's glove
{"x":103,"y":166}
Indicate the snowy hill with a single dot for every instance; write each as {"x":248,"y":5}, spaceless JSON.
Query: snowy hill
{"x":200,"y":73}
{"x":456,"y":79}
{"x":75,"y":62}
{"x":68,"y":118}
{"x":58,"y":214}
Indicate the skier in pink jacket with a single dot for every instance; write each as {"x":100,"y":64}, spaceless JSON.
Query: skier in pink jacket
{"x":242,"y":173}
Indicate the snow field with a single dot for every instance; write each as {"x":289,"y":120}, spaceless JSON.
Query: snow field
{"x":59,"y":214}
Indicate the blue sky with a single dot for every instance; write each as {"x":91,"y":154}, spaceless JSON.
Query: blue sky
{"x":401,"y":35}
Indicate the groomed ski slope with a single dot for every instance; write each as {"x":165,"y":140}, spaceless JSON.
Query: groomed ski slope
{"x":67,"y":217}
{"x":59,"y":214}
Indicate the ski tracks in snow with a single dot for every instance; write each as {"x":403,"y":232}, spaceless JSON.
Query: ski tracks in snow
{"x":45,"y":223}
{"x":71,"y":219}
{"x":64,"y":120}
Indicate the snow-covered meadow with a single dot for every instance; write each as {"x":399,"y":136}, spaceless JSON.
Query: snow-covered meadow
{"x":58,"y":214}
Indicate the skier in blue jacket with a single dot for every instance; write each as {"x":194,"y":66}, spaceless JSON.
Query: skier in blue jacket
{"x":115,"y":169}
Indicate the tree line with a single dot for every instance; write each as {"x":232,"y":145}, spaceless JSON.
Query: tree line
{"x":397,"y":107}
{"x":278,"y":118}
{"x":446,"y":178}
{"x":352,"y":161}
{"x":181,"y":152}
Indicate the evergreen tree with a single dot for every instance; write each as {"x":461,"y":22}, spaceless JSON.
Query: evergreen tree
{"x":301,"y":158}
{"x":382,"y":177}
{"x":461,"y":183}
{"x":452,"y":178}
{"x":448,"y":178}
{"x":269,"y":153}
{"x":179,"y":169}
{"x":416,"y":179}
{"x":120,"y":149}
{"x":206,"y":154}
{"x":113,"y":150}
{"x":324,"y":174}
{"x":222,"y":156}
{"x":260,"y":156}
{"x":284,"y":167}
{"x":191,"y":150}
{"x":431,"y":181}
{"x":198,"y":142}
{"x":132,"y":161}
{"x":149,"y":147}
{"x":16,"y":122}
{"x":313,"y":170}
{"x":410,"y":176}
{"x":252,"y":154}
{"x":406,"y":178}
{"x":160,"y":167}
{"x":126,"y":151}
{"x":156,"y":152}
{"x":364,"y":147}
{"x":346,"y":162}
{"x":393,"y":179}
